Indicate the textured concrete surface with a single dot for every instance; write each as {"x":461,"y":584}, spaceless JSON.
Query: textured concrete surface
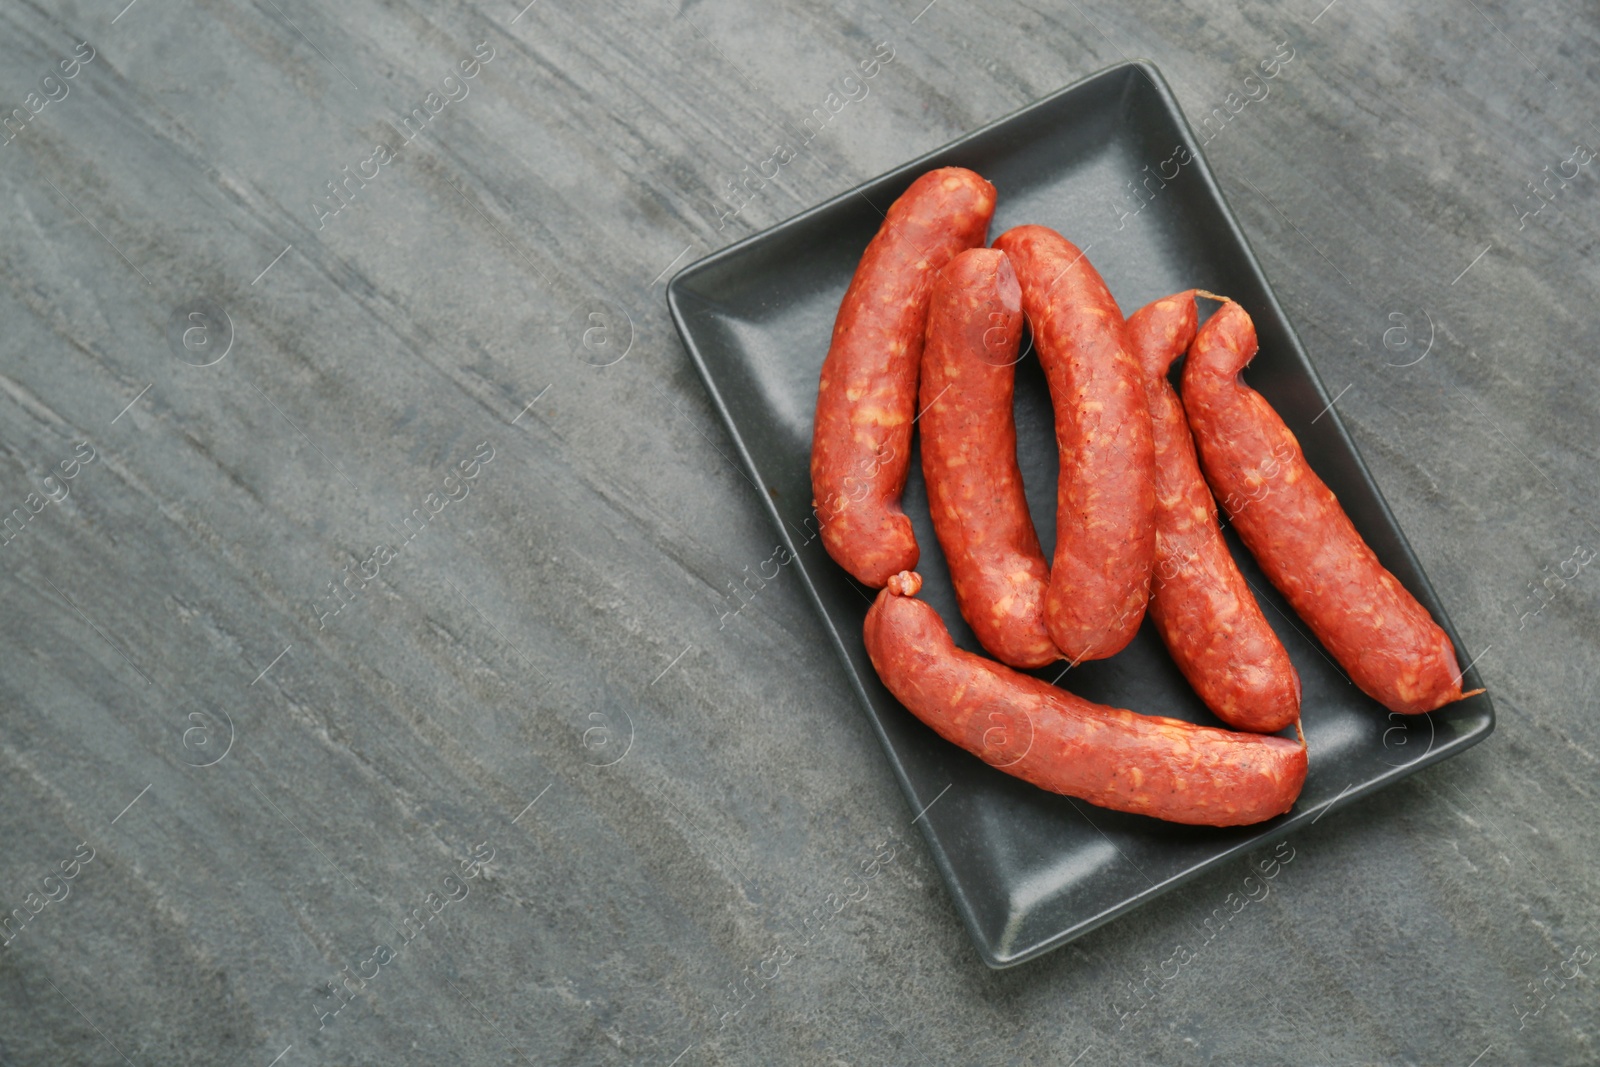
{"x":511,"y":793}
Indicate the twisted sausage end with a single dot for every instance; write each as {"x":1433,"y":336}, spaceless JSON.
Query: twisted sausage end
{"x":906,"y":583}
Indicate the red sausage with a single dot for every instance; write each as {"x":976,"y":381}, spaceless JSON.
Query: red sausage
{"x":1201,"y":604}
{"x":969,"y":457}
{"x":1306,"y":545}
{"x":861,"y":442}
{"x":1144,"y":764}
{"x":1105,"y":508}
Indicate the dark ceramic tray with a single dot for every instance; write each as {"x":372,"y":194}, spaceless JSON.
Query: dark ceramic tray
{"x":1028,"y":870}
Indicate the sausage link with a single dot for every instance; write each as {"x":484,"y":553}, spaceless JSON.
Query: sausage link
{"x":1105,"y":507}
{"x":1305,"y":543}
{"x":1143,"y":764}
{"x":969,"y":457}
{"x":866,"y":397}
{"x":1201,"y":605}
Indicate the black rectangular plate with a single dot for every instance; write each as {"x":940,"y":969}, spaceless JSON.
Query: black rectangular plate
{"x":1029,"y":870}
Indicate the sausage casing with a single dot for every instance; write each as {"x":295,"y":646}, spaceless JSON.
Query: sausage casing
{"x":1143,"y":764}
{"x":866,"y":396}
{"x":1305,"y":543}
{"x":969,"y":457}
{"x":1200,"y":603}
{"x":1105,"y":508}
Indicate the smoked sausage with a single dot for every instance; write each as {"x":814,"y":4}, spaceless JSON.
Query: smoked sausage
{"x":969,"y":457}
{"x":1201,"y":604}
{"x":1143,"y":764}
{"x":866,"y":396}
{"x":1105,"y":508}
{"x":1306,"y":545}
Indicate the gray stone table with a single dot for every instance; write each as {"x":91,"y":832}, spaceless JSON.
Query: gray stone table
{"x":397,"y":623}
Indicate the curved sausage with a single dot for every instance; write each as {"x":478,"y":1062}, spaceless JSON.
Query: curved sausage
{"x":1201,"y":605}
{"x":1105,"y":507}
{"x":861,"y":441}
{"x":969,"y":457}
{"x":1306,"y":545}
{"x":1144,"y":764}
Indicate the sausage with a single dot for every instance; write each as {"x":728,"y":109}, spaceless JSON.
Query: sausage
{"x":969,"y":457}
{"x":1200,"y":603}
{"x":1143,"y":764}
{"x":1105,"y":507}
{"x":861,"y":440}
{"x":1305,"y":543}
